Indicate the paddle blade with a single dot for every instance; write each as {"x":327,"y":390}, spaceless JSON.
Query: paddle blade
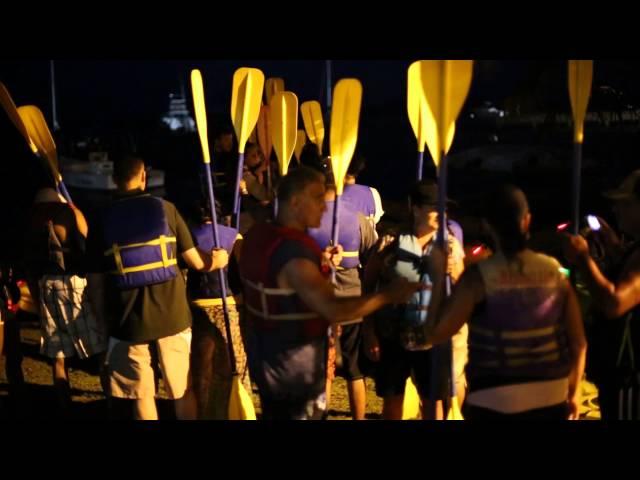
{"x":454,"y":411}
{"x":248,"y":84}
{"x":284,"y":124}
{"x":411,"y":405}
{"x":313,"y":122}
{"x":580,"y":79}
{"x":201,"y":112}
{"x":264,"y":131}
{"x":416,"y":104}
{"x":433,"y":142}
{"x":10,"y":107}
{"x":272,"y":86}
{"x":345,"y":115}
{"x":301,"y":140}
{"x":240,"y":403}
{"x":445,"y":84}
{"x":39,"y":132}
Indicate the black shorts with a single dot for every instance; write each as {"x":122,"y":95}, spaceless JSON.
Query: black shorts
{"x":350,"y":346}
{"x":293,"y":408}
{"x":396,"y":365}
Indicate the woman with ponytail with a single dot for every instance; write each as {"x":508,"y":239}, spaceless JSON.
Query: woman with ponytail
{"x":527,"y":346}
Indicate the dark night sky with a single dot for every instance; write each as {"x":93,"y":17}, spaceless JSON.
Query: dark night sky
{"x":96,"y":96}
{"x":101,"y":92}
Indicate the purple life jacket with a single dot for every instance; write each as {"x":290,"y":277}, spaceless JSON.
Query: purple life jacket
{"x":202,"y":285}
{"x":348,"y":234}
{"x":519,"y":332}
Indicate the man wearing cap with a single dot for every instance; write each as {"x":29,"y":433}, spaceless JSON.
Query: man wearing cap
{"x":395,"y":336}
{"x":615,"y":344}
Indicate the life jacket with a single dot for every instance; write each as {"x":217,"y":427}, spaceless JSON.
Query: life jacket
{"x":519,"y":330}
{"x":206,"y":285}
{"x":268,"y":306}
{"x":408,"y":320}
{"x":349,"y":234}
{"x":364,"y":200}
{"x":411,"y":263}
{"x":140,"y":242}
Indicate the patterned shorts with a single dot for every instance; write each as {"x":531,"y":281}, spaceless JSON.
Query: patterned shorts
{"x":69,"y":326}
{"x":211,"y":366}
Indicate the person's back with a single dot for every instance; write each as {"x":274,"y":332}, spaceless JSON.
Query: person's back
{"x":523,"y":307}
{"x":136,"y":283}
{"x":365,"y":199}
{"x":210,"y":360}
{"x":149,"y":303}
{"x":55,"y":253}
{"x":350,"y":237}
{"x":526,"y":339}
{"x":357,"y":237}
{"x":206,"y":285}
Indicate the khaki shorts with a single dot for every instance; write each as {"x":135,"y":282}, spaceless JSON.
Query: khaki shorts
{"x":133,"y":366}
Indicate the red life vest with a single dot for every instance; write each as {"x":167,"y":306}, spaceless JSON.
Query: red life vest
{"x":267,"y":305}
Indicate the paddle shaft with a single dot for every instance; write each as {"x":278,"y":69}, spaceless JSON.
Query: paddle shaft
{"x":221,"y":279}
{"x":335,"y":230}
{"x":65,"y":193}
{"x":575,"y":188}
{"x":420,"y":164}
{"x":236,"y":195}
{"x":443,"y":241}
{"x":268,"y":160}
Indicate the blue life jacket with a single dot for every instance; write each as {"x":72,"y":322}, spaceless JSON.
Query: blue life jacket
{"x":411,"y":263}
{"x":139,"y":240}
